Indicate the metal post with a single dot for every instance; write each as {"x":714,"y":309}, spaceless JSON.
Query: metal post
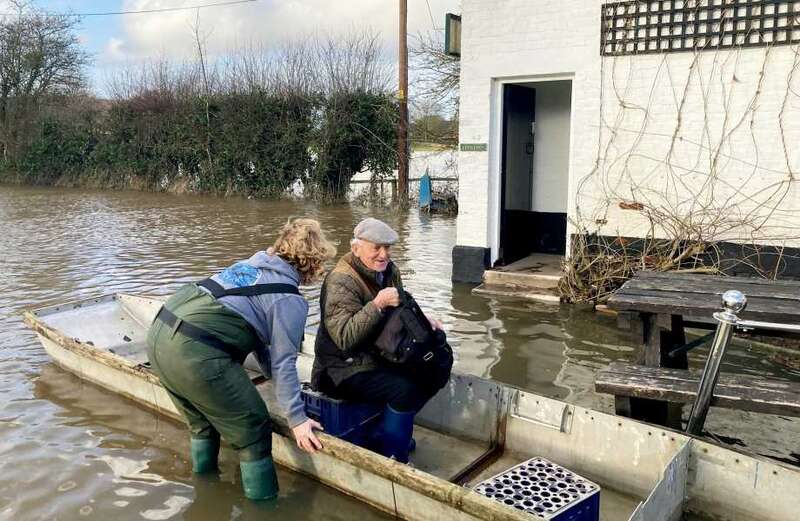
{"x":733,"y":302}
{"x":402,"y":98}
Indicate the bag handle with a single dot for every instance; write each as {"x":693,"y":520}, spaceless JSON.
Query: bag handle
{"x":419,"y":327}
{"x":403,"y":297}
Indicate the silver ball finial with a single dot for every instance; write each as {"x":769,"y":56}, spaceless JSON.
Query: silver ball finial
{"x":734,"y":301}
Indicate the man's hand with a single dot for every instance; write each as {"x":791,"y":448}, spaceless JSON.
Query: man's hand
{"x":305,"y":437}
{"x":436,"y":324}
{"x":387,"y":297}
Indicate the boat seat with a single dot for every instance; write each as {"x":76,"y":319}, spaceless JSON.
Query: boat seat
{"x":348,"y":420}
{"x":743,"y":392}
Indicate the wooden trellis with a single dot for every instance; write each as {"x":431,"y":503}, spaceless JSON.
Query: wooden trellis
{"x":646,"y":27}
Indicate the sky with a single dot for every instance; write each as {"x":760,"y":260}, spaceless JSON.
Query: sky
{"x":116,"y":41}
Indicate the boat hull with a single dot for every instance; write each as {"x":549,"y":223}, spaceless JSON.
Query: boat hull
{"x":385,"y":484}
{"x":664,"y":474}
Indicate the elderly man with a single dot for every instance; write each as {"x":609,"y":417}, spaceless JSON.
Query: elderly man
{"x":354,"y":297}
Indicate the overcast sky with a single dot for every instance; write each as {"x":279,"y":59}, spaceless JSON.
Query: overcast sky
{"x":116,"y":40}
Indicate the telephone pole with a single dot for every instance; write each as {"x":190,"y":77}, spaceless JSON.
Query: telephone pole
{"x":402,"y":128}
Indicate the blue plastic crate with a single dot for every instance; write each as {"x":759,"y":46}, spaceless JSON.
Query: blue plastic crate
{"x":545,"y":489}
{"x":347,"y":420}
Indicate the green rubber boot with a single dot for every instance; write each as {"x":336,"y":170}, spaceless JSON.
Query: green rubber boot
{"x":205,"y":453}
{"x":259,"y":479}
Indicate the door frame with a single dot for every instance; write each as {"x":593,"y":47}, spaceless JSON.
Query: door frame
{"x":496,"y":140}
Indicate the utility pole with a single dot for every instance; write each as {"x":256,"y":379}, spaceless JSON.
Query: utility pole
{"x":402,"y":129}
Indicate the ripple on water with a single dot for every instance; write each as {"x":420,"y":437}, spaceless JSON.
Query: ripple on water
{"x":130,"y":492}
{"x":129,"y":470}
{"x":64,"y":245}
{"x":172,"y":506}
{"x":67,"y":486}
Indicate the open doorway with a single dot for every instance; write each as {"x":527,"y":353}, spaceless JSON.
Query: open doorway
{"x":534,"y":169}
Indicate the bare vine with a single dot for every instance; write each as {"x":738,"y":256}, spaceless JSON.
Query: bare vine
{"x":686,"y":161}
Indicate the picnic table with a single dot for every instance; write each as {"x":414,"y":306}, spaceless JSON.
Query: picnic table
{"x":657,"y":307}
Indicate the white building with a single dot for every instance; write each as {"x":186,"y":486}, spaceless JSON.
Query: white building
{"x":660,"y":119}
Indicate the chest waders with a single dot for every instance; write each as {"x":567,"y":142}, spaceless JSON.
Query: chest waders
{"x":196,"y":347}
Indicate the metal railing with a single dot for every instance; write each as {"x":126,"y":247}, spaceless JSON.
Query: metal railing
{"x":393,"y":180}
{"x":733,"y":303}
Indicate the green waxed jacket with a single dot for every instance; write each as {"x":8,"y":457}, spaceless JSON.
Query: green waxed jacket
{"x":350,"y":322}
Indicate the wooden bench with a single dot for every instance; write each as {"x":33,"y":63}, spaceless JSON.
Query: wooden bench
{"x":743,"y":392}
{"x":656,"y":307}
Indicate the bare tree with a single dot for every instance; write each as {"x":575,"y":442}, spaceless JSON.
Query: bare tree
{"x":430,"y":125}
{"x":353,"y":63}
{"x":40,"y":57}
{"x":200,"y":40}
{"x":436,"y":73}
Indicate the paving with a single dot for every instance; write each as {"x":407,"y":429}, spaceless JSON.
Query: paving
{"x":533,"y":278}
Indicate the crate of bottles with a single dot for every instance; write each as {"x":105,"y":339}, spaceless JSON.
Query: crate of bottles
{"x":541,"y":487}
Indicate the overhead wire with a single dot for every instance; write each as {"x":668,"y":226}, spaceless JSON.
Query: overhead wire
{"x":145,"y":11}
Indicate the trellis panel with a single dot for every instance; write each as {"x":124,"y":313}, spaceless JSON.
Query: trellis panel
{"x":646,"y":27}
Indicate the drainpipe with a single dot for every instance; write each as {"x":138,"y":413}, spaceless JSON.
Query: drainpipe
{"x":733,"y":302}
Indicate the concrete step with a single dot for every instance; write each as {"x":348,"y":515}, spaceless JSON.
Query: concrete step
{"x":549,"y":295}
{"x":521,"y":279}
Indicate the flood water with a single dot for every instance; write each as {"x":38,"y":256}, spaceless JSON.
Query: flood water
{"x":69,"y":450}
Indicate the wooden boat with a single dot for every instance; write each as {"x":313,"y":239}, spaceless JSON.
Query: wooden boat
{"x":473,"y":429}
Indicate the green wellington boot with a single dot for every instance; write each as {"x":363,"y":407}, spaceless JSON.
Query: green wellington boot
{"x":259,"y":479}
{"x":205,"y":454}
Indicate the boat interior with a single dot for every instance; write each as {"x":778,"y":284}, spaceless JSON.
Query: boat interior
{"x":474,"y":429}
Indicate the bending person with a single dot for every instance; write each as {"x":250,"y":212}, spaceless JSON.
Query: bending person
{"x":203,"y":333}
{"x":355,"y":294}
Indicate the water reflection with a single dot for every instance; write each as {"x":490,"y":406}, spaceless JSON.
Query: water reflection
{"x":132,"y":463}
{"x":69,"y":450}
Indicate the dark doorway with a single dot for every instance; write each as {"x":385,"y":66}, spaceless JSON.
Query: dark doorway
{"x":526,"y":224}
{"x":519,"y":106}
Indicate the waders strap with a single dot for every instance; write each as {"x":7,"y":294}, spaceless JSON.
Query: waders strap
{"x":196,"y":333}
{"x":218,"y":291}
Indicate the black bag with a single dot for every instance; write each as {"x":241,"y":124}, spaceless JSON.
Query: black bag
{"x":407,"y":339}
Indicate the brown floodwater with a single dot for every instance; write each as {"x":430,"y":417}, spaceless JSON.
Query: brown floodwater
{"x":69,"y":450}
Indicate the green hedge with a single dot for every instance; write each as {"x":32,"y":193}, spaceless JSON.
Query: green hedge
{"x":255,"y":144}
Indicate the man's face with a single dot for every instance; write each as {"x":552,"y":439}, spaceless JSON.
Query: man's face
{"x":373,"y":256}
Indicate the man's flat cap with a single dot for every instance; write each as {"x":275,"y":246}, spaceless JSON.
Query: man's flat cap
{"x":376,"y":231}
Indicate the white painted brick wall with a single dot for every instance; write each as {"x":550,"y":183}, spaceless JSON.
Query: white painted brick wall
{"x":728,"y":138}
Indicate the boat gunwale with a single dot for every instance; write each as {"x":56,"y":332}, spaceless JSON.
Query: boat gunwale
{"x":458,"y":497}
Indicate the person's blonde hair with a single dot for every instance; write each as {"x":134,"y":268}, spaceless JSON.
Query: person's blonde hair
{"x":302,"y":244}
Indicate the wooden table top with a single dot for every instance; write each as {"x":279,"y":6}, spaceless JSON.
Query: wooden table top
{"x":691,"y":294}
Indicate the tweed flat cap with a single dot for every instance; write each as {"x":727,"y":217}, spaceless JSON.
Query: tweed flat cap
{"x":376,"y":231}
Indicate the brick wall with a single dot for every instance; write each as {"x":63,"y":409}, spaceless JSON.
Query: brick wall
{"x":694,"y":136}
